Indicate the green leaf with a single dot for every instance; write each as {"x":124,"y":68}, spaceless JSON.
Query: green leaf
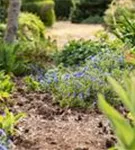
{"x":122,"y":128}
{"x":121,"y":92}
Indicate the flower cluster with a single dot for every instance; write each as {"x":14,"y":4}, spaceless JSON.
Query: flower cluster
{"x":79,"y":86}
{"x":5,"y":142}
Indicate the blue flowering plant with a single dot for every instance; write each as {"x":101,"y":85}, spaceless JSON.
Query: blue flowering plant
{"x":5,"y":142}
{"x":78,"y":87}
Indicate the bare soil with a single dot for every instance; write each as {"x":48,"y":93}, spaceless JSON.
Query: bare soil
{"x":64,"y":31}
{"x":49,"y":127}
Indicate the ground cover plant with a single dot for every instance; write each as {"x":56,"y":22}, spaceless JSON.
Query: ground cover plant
{"x":78,"y":86}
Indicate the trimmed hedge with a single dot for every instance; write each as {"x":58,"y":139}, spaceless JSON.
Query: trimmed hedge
{"x":43,"y":8}
{"x":30,"y":27}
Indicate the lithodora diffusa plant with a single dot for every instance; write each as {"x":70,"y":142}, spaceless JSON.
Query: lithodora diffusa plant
{"x":124,"y":130}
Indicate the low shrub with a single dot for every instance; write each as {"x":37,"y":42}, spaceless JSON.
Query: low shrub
{"x":79,"y":86}
{"x":44,"y":9}
{"x":123,"y":129}
{"x":30,"y":27}
{"x":38,"y":52}
{"x":75,"y":52}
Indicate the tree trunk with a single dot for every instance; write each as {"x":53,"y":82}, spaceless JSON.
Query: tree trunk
{"x":12,"y":23}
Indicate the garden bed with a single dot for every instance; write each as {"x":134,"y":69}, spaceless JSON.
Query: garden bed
{"x":49,"y":127}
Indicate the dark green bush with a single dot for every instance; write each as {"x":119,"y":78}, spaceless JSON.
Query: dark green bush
{"x":43,"y":8}
{"x":96,"y":19}
{"x":75,"y":52}
{"x":63,"y":8}
{"x":86,"y":8}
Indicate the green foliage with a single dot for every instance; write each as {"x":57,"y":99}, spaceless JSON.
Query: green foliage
{"x":86,"y":8}
{"x":48,"y":17}
{"x":10,"y":61}
{"x":30,"y":27}
{"x":3,"y":12}
{"x":96,"y":19}
{"x":75,"y":52}
{"x":9,"y":120}
{"x":2,"y":30}
{"x":124,"y":131}
{"x":6,"y":86}
{"x":78,"y":86}
{"x":37,"y":52}
{"x":31,"y":84}
{"x":123,"y":26}
{"x":44,"y":9}
{"x":63,"y":8}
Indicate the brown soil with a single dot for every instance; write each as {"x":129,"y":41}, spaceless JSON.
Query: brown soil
{"x":64,"y":31}
{"x":49,"y":127}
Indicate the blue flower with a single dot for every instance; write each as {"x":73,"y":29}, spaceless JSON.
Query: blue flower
{"x":121,"y":59}
{"x":74,"y":95}
{"x":67,"y":77}
{"x":81,"y":96}
{"x":2,"y":147}
{"x":93,"y":78}
{"x":2,"y":133}
{"x":85,"y":68}
{"x":55,"y":79}
{"x":94,"y":58}
{"x":79,"y":74}
{"x":49,"y":81}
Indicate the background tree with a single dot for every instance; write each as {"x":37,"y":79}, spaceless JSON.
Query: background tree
{"x":12,"y":22}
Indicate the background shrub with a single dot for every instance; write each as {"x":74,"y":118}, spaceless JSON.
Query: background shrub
{"x":30,"y":27}
{"x":63,"y":8}
{"x":43,"y":8}
{"x":120,"y":20}
{"x":86,"y":8}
